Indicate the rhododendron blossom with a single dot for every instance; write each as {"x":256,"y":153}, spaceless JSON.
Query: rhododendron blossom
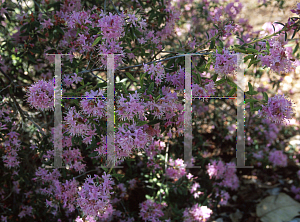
{"x":278,"y":109}
{"x":176,"y":169}
{"x":41,"y":95}
{"x":278,"y":158}
{"x":196,"y":213}
{"x":151,"y":211}
{"x":225,"y":62}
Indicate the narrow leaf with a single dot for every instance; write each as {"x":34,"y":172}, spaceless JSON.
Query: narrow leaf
{"x":266,"y":97}
{"x":97,"y":40}
{"x":231,"y":92}
{"x":130,"y":76}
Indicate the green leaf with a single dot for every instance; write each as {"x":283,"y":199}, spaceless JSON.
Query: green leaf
{"x":266,"y":97}
{"x":253,"y":62}
{"x":141,"y":123}
{"x":248,"y":57}
{"x":221,"y":44}
{"x":294,"y":33}
{"x":105,"y":169}
{"x":296,"y":48}
{"x":252,"y":50}
{"x":34,"y":50}
{"x":239,"y":50}
{"x":116,"y":175}
{"x":202,"y":68}
{"x":256,"y":108}
{"x":31,"y":58}
{"x":151,"y":87}
{"x":267,"y":45}
{"x":251,"y":100}
{"x":24,"y":34}
{"x":250,"y":87}
{"x":82,"y":85}
{"x":207,"y":35}
{"x":232,"y":84}
{"x":93,"y":154}
{"x":130,"y":76}
{"x":59,"y":30}
{"x":24,"y":27}
{"x":231,"y":92}
{"x":124,"y":89}
{"x":215,"y":76}
{"x":142,"y":79}
{"x":241,"y":39}
{"x":285,"y":36}
{"x":219,"y":82}
{"x":196,"y":80}
{"x":212,"y":44}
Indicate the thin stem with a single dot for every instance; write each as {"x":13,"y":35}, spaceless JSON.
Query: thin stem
{"x":23,"y":113}
{"x":115,"y":7}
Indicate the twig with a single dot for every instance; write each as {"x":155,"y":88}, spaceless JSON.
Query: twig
{"x":115,"y":7}
{"x":129,"y":67}
{"x":85,"y":173}
{"x":5,"y":87}
{"x":22,"y":112}
{"x":8,"y":195}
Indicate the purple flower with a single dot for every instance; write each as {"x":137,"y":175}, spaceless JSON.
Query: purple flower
{"x":225,"y":63}
{"x":278,"y":158}
{"x":278,"y":109}
{"x":76,"y":78}
{"x":47,"y":23}
{"x":297,"y":10}
{"x":41,"y":95}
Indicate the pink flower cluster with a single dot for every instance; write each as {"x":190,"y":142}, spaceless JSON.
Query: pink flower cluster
{"x":11,"y":146}
{"x":278,"y":109}
{"x":132,"y":183}
{"x":222,"y":171}
{"x":76,"y":123}
{"x":63,"y":193}
{"x":296,"y":191}
{"x":26,"y":210}
{"x":69,"y":80}
{"x":155,"y":70}
{"x":94,"y":198}
{"x":71,"y":158}
{"x":278,"y":158}
{"x":231,"y":10}
{"x":176,"y":169}
{"x":297,"y":10}
{"x":94,"y":107}
{"x":155,"y":147}
{"x":151,"y":211}
{"x":194,"y":191}
{"x":127,"y":110}
{"x":41,"y":95}
{"x":225,"y":62}
{"x":277,"y":59}
{"x":128,"y":138}
{"x":196,"y":213}
{"x":111,"y":25}
{"x":206,"y":91}
{"x":176,"y":78}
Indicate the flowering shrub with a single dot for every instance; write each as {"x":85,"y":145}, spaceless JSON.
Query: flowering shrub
{"x":148,"y":109}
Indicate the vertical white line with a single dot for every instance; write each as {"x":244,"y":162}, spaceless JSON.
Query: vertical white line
{"x":111,"y":157}
{"x":240,"y":146}
{"x":188,"y":137}
{"x":57,"y":114}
